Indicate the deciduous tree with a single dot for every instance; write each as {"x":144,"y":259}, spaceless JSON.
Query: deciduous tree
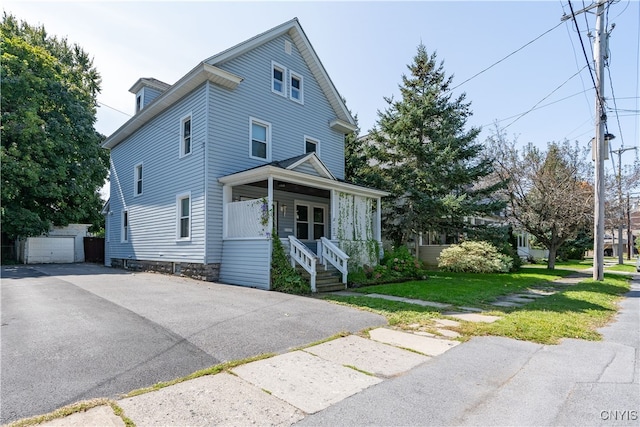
{"x":548,"y":192}
{"x":52,"y":162}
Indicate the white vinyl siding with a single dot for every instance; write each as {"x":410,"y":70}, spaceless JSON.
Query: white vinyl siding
{"x":185,"y":136}
{"x":137,"y":180}
{"x":236,"y":270}
{"x":295,"y":87}
{"x":260,"y":139}
{"x":278,"y":77}
{"x":183,"y":206}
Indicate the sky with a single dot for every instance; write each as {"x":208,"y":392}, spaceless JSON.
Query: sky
{"x":365,"y":46}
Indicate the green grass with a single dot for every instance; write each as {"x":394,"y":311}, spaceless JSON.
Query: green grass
{"x":468,"y":289}
{"x":572,"y":312}
{"x":397,"y":313}
{"x":626,"y":268}
{"x":575,"y":312}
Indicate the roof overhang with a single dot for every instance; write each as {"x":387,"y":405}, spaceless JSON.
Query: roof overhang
{"x":200,"y":74}
{"x":264,"y":172}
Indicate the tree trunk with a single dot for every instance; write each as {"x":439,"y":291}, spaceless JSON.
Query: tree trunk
{"x":551,"y":264}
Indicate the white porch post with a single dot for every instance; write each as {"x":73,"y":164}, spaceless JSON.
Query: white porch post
{"x":270,"y":204}
{"x":379,"y":227}
{"x":227,"y":191}
{"x":334,"y":215}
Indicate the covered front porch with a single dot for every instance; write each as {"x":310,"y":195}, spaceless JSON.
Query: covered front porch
{"x":322,"y":222}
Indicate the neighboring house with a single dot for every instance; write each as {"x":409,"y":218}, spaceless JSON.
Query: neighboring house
{"x":248,"y":141}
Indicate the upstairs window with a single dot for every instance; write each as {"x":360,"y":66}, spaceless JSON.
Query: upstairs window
{"x":184,"y":216}
{"x":137,"y":173}
{"x":278,"y":73}
{"x":260,"y":135}
{"x":311,"y":145}
{"x":185,"y":136}
{"x":295,"y":87}
{"x":138,"y":101}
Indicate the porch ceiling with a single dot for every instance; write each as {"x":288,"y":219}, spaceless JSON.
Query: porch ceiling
{"x":290,"y":176}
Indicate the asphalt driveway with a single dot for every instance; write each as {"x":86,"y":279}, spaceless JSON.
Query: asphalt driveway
{"x":77,"y":331}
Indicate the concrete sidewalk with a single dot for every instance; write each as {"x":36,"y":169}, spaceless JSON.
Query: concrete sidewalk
{"x":280,"y":390}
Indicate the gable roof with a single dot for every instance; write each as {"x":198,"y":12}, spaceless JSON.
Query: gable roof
{"x":294,"y":29}
{"x":207,"y":70}
{"x":285,"y":170}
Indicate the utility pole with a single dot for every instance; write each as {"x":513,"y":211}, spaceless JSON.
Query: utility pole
{"x":599,"y":53}
{"x":620,"y":202}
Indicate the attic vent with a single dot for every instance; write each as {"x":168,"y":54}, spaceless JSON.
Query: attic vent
{"x":287,"y":46}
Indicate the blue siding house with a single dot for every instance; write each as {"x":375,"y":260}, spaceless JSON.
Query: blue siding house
{"x":249,"y":141}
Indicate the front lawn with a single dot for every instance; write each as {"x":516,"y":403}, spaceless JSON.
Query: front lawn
{"x":574,"y":311}
{"x":468,"y":289}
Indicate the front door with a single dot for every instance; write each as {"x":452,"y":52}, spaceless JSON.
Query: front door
{"x":311,"y":223}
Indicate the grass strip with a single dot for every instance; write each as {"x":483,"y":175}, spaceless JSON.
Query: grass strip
{"x":212,"y":370}
{"x":65,"y":411}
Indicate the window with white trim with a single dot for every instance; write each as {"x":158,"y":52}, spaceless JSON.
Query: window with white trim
{"x":278,"y":74}
{"x":139,"y":101}
{"x":137,"y":180}
{"x":295,"y":87}
{"x":311,"y":145}
{"x":185,"y":136}
{"x":260,"y":139}
{"x":124,"y":233}
{"x":183,"y":207}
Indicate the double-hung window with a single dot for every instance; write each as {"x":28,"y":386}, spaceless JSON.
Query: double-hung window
{"x":183,"y":207}
{"x":278,"y":74}
{"x":260,"y":139}
{"x":137,"y":180}
{"x":185,"y":136}
{"x":295,"y":87}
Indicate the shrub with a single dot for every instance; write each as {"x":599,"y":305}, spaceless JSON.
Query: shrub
{"x":285,"y":278}
{"x":474,"y":257}
{"x":396,"y":266}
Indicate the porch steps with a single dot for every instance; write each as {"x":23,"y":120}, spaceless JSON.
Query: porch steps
{"x":329,"y":280}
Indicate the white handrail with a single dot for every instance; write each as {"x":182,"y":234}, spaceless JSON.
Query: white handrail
{"x":303,"y":256}
{"x":335,"y":255}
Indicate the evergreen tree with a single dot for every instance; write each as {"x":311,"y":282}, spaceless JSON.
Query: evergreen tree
{"x":52,"y":164}
{"x":422,"y":154}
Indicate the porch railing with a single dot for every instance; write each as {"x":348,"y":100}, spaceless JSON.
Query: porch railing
{"x":303,"y":256}
{"x":335,"y":255}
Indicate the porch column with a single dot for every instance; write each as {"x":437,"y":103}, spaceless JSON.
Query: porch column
{"x":378,"y":236}
{"x":227,"y":192}
{"x":334,"y":215}
{"x":270,"y":204}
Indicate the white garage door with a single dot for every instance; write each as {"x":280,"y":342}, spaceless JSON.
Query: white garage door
{"x":50,"y":249}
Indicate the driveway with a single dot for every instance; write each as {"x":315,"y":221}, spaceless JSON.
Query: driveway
{"x":77,"y":331}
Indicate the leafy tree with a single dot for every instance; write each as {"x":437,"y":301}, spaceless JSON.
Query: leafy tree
{"x":421,"y":153}
{"x":52,"y":162}
{"x":548,"y":192}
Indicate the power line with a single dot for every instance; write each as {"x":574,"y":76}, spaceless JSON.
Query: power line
{"x":551,"y":93}
{"x":615,"y":106}
{"x":499,"y":61}
{"x":584,"y":51}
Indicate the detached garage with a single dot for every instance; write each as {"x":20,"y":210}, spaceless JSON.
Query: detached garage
{"x":61,"y":245}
